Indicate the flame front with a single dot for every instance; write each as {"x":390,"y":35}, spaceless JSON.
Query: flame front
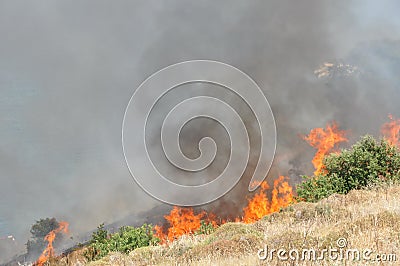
{"x":259,"y":205}
{"x":324,"y":140}
{"x":391,"y":131}
{"x":48,"y":252}
{"x":183,"y":221}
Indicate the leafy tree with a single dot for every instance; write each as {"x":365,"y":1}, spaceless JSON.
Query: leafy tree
{"x":368,"y":162}
{"x":38,"y":231}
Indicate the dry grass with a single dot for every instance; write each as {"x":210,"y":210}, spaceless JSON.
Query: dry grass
{"x":366,"y":218}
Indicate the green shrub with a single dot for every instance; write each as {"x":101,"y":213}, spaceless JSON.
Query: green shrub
{"x":98,"y":244}
{"x":205,"y":228}
{"x":125,"y":240}
{"x":368,"y":162}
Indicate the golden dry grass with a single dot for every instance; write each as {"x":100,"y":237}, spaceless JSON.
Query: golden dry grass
{"x":366,"y":218}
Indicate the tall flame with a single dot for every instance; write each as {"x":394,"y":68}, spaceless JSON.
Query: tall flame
{"x":324,"y":140}
{"x":48,"y":252}
{"x":391,"y":131}
{"x":259,"y":205}
{"x":183,"y":221}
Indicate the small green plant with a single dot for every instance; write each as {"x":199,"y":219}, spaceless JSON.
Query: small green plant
{"x":100,"y":236}
{"x":125,"y":240}
{"x":205,"y":228}
{"x":368,"y":162}
{"x":98,"y":244}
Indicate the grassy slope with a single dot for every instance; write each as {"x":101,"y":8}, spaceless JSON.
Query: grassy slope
{"x":367,"y":218}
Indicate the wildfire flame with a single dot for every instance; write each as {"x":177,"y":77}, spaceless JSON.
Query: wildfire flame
{"x":324,"y":140}
{"x":391,"y":131}
{"x":48,"y":252}
{"x":184,"y":221}
{"x":259,"y":205}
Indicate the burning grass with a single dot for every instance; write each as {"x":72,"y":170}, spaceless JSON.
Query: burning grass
{"x":260,"y":205}
{"x":276,"y":221}
{"x":184,"y":221}
{"x":367,"y":218}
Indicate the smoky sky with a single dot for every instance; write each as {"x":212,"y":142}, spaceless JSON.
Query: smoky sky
{"x":68,"y":70}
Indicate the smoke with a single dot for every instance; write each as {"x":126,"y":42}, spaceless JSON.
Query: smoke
{"x":67,"y":71}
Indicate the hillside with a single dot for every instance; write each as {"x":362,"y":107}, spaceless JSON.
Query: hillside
{"x":367,"y":219}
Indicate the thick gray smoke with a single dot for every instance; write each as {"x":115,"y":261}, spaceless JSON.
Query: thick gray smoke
{"x":67,"y":71}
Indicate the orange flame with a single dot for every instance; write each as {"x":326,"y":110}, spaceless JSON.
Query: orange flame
{"x":159,"y":232}
{"x":48,"y":252}
{"x":185,"y":221}
{"x":391,"y":131}
{"x":324,"y":140}
{"x":182,"y":221}
{"x":259,"y":205}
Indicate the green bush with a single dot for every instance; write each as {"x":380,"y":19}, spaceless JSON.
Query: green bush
{"x":368,"y":162}
{"x":125,"y":240}
{"x":205,"y":228}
